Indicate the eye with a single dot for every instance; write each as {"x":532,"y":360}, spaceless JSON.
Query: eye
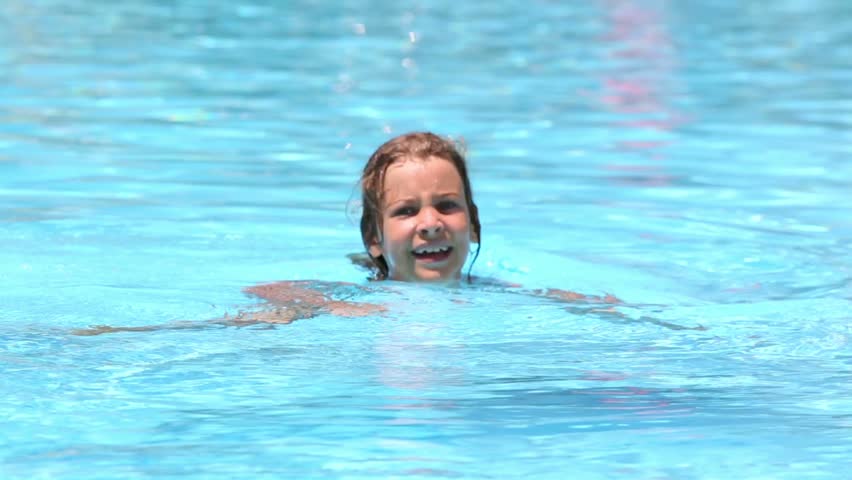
{"x":447,"y":206}
{"x":404,"y":211}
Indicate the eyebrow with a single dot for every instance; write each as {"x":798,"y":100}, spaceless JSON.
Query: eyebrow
{"x":439,"y":196}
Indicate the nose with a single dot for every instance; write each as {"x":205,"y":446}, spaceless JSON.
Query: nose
{"x":430,"y":223}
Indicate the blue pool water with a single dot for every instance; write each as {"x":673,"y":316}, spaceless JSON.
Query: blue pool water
{"x":156,"y":157}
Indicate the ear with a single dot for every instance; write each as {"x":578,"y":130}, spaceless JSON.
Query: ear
{"x":375,"y":250}
{"x":474,"y":237}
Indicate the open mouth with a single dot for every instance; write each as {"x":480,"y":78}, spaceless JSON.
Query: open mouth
{"x":432,"y":254}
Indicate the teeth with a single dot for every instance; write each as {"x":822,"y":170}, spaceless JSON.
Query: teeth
{"x":431,"y":250}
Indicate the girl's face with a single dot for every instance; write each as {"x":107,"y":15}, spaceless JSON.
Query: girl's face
{"x":425,"y":233}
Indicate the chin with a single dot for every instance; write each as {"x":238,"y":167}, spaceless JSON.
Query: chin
{"x":437,"y":276}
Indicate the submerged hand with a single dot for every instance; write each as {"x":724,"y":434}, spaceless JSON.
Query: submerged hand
{"x":303,"y":299}
{"x":352,"y":309}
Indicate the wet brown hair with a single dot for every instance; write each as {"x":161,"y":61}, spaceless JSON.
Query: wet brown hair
{"x":419,"y":145}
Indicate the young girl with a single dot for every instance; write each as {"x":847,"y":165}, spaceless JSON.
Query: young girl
{"x":418,"y":221}
{"x":417,"y":224}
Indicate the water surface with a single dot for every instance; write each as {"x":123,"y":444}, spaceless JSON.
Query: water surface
{"x":158,"y":156}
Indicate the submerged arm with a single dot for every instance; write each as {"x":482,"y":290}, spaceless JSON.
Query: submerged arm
{"x":569,"y":296}
{"x":286,"y":302}
{"x":603,"y":305}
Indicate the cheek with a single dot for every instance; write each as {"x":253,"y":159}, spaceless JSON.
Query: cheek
{"x":461,"y":224}
{"x":394,"y":235}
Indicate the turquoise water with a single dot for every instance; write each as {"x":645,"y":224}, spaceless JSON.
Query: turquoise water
{"x":156,"y":157}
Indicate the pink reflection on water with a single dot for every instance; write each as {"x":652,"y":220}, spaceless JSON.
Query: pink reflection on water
{"x":632,"y":399}
{"x":639,"y":88}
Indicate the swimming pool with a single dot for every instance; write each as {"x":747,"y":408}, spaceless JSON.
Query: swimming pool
{"x":157,"y":157}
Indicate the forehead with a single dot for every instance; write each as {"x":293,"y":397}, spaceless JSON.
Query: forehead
{"x":413,"y":175}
